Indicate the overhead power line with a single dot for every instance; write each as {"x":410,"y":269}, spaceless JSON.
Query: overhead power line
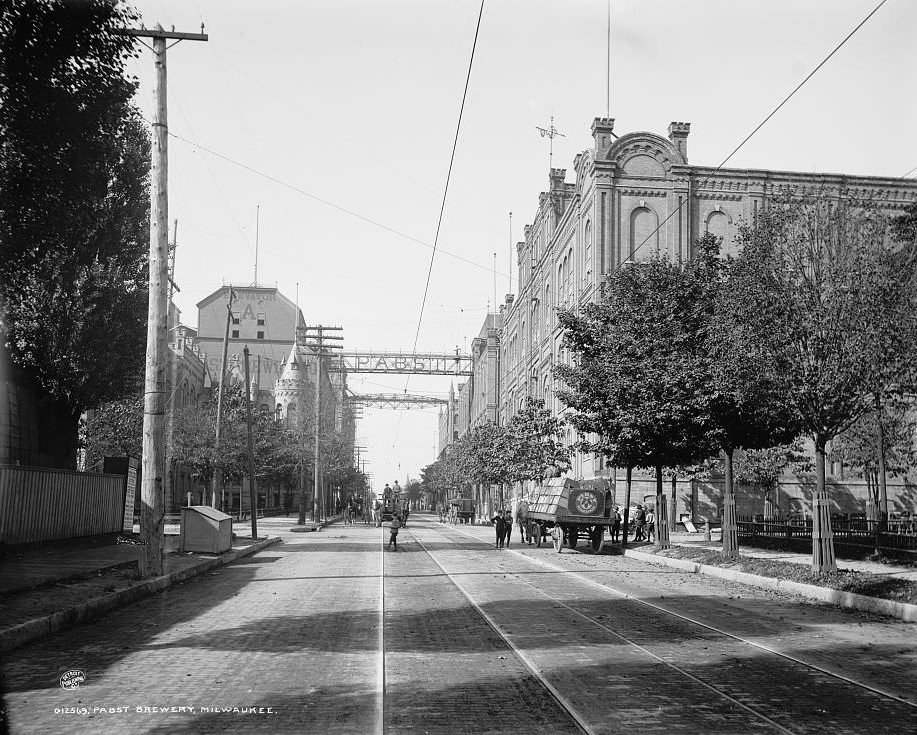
{"x":345,"y":210}
{"x":442,"y":208}
{"x":761,"y":125}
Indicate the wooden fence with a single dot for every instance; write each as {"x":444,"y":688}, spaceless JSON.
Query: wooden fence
{"x":38,"y":504}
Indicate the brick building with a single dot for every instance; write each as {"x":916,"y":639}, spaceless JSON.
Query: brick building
{"x":632,"y":197}
{"x":263,"y":319}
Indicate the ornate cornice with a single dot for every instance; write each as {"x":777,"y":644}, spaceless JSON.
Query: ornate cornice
{"x":644,"y":192}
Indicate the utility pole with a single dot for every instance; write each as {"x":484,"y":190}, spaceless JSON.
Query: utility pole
{"x":217,"y":462}
{"x":252,"y":494}
{"x":154,"y":392}
{"x":316,"y":339}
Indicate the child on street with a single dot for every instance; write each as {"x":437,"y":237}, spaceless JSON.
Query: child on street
{"x":393,"y":537}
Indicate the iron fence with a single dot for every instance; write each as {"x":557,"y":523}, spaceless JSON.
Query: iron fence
{"x":899,"y":533}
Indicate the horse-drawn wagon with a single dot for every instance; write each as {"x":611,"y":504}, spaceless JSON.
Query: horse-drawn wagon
{"x":462,"y":510}
{"x":567,"y":511}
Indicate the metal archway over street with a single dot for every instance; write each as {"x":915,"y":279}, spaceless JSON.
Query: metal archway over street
{"x":401,"y":362}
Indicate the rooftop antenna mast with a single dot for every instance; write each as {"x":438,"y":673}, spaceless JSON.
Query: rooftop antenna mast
{"x":550,"y":132}
{"x":510,"y":253}
{"x":608,"y":67}
{"x":257,"y":223}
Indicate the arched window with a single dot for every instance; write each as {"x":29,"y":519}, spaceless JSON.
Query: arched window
{"x":291,"y":414}
{"x":587,"y":250}
{"x":644,"y":237}
{"x":718,"y":224}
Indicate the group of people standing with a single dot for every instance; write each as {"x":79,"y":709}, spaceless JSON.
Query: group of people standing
{"x":503,"y":523}
{"x":644,"y":523}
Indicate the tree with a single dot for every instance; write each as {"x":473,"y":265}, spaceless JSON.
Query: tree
{"x":413,"y":491}
{"x":857,"y":448}
{"x":74,"y":209}
{"x":533,"y":446}
{"x":114,"y":429}
{"x":764,"y":467}
{"x":824,"y":293}
{"x":639,"y":386}
{"x":750,"y":404}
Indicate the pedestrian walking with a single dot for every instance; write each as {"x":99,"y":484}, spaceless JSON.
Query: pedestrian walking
{"x":616,"y":521}
{"x":377,"y":513}
{"x":508,"y":525}
{"x":500,"y":526}
{"x":522,"y":518}
{"x":650,"y":524}
{"x":639,"y":523}
{"x":393,"y":533}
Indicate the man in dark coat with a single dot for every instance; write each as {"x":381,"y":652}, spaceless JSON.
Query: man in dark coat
{"x":500,"y":525}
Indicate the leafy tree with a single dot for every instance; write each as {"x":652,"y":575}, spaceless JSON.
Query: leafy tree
{"x":824,"y":293}
{"x":639,"y":388}
{"x":74,"y":208}
{"x":750,"y":398}
{"x":413,"y":491}
{"x":532,"y":445}
{"x":764,"y":467}
{"x":857,"y":446}
{"x":114,"y":429}
{"x":434,"y":481}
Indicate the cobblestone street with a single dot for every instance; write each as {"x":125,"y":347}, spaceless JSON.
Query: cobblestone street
{"x":474,"y":639}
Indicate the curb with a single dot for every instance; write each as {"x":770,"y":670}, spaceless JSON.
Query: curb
{"x":42,"y":627}
{"x":901,"y":610}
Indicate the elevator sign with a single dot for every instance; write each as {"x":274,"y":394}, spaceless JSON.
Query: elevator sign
{"x":416,"y":364}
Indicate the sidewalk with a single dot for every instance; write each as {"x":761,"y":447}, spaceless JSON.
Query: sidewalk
{"x":696,"y":540}
{"x":901,"y":610}
{"x":44,"y":590}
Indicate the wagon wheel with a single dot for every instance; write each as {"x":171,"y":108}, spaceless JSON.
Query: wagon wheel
{"x":597,"y":539}
{"x":558,"y":538}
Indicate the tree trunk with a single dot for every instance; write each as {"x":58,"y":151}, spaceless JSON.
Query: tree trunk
{"x":674,"y":504}
{"x":880,"y":455}
{"x":822,"y":537}
{"x":625,"y":521}
{"x":730,"y":528}
{"x":659,"y":513}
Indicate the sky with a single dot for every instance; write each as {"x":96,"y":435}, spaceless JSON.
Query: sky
{"x":324,"y":132}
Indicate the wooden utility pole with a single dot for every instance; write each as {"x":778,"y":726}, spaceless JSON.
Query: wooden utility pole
{"x":252,"y":493}
{"x":154,"y":395}
{"x":315,"y":339}
{"x":217,"y":462}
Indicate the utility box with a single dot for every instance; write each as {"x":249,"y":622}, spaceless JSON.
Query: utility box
{"x":205,"y":530}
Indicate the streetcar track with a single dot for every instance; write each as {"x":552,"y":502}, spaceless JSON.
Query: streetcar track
{"x":380,"y":706}
{"x":559,"y":698}
{"x":609,"y":589}
{"x":713,"y":628}
{"x":565,"y":704}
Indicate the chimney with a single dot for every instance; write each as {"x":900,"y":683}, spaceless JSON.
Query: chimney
{"x":557,"y":179}
{"x":602,"y":128}
{"x":678,"y":134}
